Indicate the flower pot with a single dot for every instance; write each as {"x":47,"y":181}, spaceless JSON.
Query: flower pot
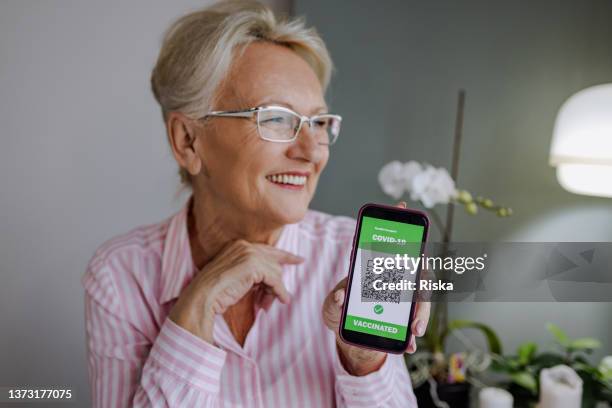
{"x":455,"y":395}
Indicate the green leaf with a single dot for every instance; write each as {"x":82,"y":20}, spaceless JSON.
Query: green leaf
{"x":493,"y":341}
{"x":559,"y":334}
{"x":499,"y":366}
{"x":525,"y":380}
{"x":503,"y":364}
{"x":546,"y":360}
{"x":586,"y":368}
{"x":526,"y":351}
{"x":585,"y":343}
{"x":590,"y":389}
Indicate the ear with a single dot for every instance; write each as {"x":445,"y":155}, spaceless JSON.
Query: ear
{"x":182,"y":137}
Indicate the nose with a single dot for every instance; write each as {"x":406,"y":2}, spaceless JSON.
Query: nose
{"x":306,"y":145}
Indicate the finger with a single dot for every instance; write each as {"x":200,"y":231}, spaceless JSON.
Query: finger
{"x":281,"y":256}
{"x":332,"y":309}
{"x":340,"y":285}
{"x":411,"y":346}
{"x":334,"y":300}
{"x":419,"y":325}
{"x":402,"y":204}
{"x":267,"y":300}
{"x":276,"y":284}
{"x":265,"y":296}
{"x":339,"y":297}
{"x":259,"y":292}
{"x":332,"y":305}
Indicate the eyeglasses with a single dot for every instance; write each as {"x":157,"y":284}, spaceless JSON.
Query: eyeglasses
{"x":280,"y":124}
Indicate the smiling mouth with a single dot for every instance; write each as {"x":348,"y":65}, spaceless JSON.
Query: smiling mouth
{"x":291,"y":180}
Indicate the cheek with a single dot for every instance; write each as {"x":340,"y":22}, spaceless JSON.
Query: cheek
{"x":230,"y":152}
{"x":323,"y":161}
{"x":255,"y":159}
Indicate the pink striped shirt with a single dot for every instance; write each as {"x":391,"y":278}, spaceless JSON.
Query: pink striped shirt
{"x":138,"y":357}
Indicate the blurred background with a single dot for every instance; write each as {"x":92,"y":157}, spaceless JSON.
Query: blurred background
{"x":84,"y":154}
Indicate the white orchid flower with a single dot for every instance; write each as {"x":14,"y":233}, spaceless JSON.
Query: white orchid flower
{"x":411,"y":170}
{"x":433,"y":186}
{"x":424,"y":183}
{"x":391,"y":179}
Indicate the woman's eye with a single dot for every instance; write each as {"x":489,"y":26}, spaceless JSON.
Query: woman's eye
{"x":277,"y":119}
{"x":321,"y":123}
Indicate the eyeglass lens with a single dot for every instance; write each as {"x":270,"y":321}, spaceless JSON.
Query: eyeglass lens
{"x":275,"y":124}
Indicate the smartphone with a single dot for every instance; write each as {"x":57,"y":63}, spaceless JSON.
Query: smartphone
{"x":378,"y":318}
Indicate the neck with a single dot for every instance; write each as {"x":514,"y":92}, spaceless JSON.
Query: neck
{"x":211,"y":227}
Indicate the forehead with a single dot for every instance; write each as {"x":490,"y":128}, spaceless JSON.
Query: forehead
{"x":270,"y":72}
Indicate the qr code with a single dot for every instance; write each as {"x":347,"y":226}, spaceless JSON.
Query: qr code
{"x":368,"y":293}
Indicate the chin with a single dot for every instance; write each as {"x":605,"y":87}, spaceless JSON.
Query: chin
{"x":287,"y":206}
{"x":290,"y":214}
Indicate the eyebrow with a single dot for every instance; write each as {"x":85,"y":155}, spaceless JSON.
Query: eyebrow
{"x":315,"y":111}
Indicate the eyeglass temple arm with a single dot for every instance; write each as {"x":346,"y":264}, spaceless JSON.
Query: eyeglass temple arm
{"x":236,"y":114}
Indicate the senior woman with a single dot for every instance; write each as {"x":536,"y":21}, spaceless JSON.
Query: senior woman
{"x":235,"y":300}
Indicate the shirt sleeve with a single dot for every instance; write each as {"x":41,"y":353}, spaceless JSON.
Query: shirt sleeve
{"x":389,"y":386}
{"x":127,"y":369}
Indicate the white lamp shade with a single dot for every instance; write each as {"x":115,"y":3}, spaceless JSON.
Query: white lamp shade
{"x":581,"y":148}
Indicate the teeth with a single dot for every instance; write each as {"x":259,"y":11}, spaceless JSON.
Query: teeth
{"x":287,"y":179}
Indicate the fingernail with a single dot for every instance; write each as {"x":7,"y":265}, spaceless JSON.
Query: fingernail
{"x":420,"y":328}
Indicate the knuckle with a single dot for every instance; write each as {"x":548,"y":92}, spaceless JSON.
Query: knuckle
{"x":241,"y":245}
{"x":255,"y":276}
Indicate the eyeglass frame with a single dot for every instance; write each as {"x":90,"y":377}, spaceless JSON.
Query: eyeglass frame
{"x":249,"y":113}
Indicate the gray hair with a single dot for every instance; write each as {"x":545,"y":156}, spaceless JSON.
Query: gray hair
{"x":198,"y":48}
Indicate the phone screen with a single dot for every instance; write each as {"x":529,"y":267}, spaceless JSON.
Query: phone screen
{"x":375,"y":313}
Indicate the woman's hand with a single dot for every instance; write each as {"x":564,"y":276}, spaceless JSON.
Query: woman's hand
{"x":226,"y":279}
{"x":357,"y":360}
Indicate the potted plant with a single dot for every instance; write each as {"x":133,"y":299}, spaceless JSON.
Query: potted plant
{"x":522,"y":370}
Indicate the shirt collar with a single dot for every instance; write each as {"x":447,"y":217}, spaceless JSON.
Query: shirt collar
{"x":288,"y":242}
{"x":177,"y":263}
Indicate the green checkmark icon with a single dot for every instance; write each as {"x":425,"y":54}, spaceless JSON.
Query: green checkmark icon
{"x":378,"y":309}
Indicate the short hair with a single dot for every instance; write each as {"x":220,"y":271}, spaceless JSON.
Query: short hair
{"x":198,"y":49}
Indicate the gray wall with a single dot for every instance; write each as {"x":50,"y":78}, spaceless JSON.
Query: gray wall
{"x":399,"y":66}
{"x":83,"y":158}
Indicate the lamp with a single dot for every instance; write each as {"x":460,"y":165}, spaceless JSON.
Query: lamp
{"x":581,"y":147}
